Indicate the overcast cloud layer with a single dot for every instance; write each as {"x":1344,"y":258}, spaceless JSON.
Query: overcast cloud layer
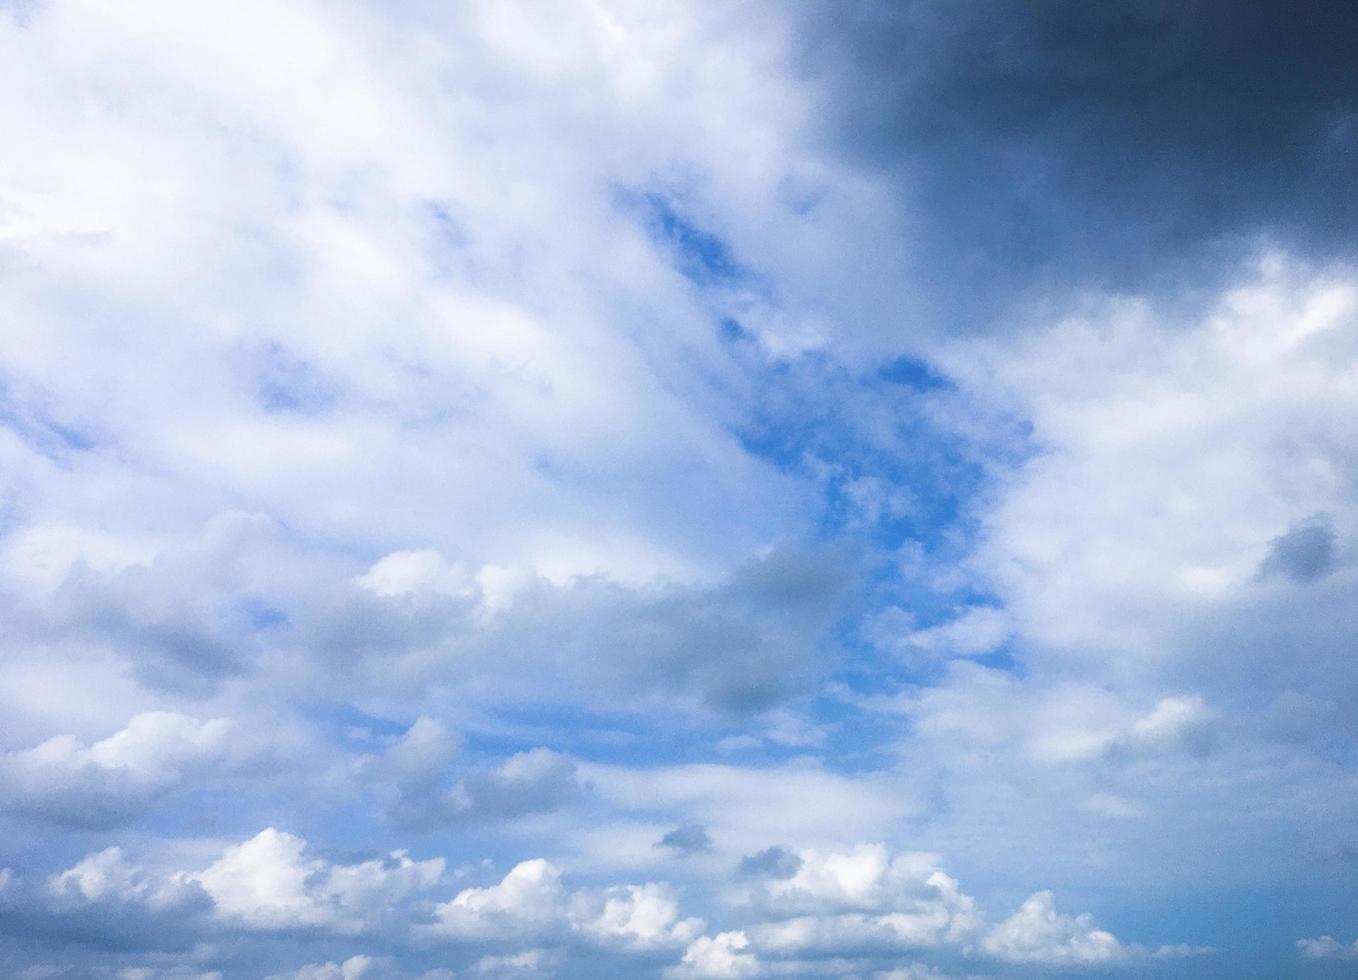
{"x":614,"y":489}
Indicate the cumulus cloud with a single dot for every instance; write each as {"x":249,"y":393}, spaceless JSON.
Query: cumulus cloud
{"x":865,"y":898}
{"x":1037,"y":933}
{"x":531,"y":903}
{"x":536,"y":781}
{"x":108,"y":877}
{"x":119,"y":778}
{"x":269,"y":883}
{"x":716,"y":958}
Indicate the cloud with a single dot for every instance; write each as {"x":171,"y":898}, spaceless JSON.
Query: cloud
{"x":864,"y":898}
{"x":1326,"y":948}
{"x":948,"y":413}
{"x":119,"y":778}
{"x":1037,"y":933}
{"x":536,"y":781}
{"x":528,"y":963}
{"x":716,"y":958}
{"x":351,"y":969}
{"x":530,"y":903}
{"x":686,"y":841}
{"x":268,"y":883}
{"x":1044,"y":152}
{"x":1304,"y":554}
{"x":107,"y":877}
{"x":974,"y":631}
{"x":772,"y":862}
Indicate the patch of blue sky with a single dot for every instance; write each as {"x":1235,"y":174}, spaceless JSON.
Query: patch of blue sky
{"x":699,"y":254}
{"x":285,"y":382}
{"x":55,"y":439}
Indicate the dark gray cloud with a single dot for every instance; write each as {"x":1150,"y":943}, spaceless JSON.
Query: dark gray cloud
{"x":1046,"y":146}
{"x":772,"y":862}
{"x":536,"y":781}
{"x":1304,"y":554}
{"x":736,"y":647}
{"x":687,"y":840}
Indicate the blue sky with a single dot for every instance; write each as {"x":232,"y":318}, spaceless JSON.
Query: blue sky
{"x":603,"y":488}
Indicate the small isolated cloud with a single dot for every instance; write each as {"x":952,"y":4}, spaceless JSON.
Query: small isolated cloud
{"x":1327,"y":948}
{"x":686,"y":841}
{"x":1037,"y":933}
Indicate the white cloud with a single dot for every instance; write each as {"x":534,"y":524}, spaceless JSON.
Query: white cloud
{"x":109,"y":877}
{"x":525,"y":964}
{"x":119,"y":777}
{"x":1326,"y":948}
{"x":268,"y":883}
{"x":974,"y":631}
{"x":531,"y":903}
{"x":864,"y":898}
{"x":1037,"y":933}
{"x":354,"y":968}
{"x":527,"y":902}
{"x":720,"y":957}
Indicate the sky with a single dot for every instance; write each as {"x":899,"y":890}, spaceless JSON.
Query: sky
{"x":609,"y":488}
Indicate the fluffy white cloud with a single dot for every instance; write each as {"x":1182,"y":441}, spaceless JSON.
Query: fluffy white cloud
{"x":1180,"y":470}
{"x":865,"y":898}
{"x":1037,"y":933}
{"x":119,"y":777}
{"x":268,"y":883}
{"x":528,"y":901}
{"x":531,"y":903}
{"x":719,"y":957}
{"x":109,"y":877}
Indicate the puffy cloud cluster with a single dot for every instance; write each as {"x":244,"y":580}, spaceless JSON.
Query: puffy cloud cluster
{"x":531,"y":903}
{"x":715,"y":957}
{"x":1037,"y":933}
{"x":869,"y":902}
{"x":120,"y":777}
{"x":536,"y":781}
{"x":863,"y":902}
{"x":267,"y":882}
